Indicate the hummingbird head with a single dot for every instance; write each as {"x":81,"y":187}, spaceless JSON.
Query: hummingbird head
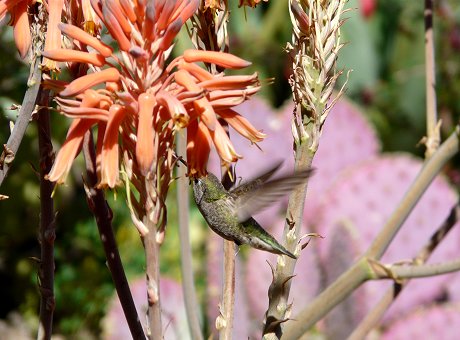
{"x":207,"y":188}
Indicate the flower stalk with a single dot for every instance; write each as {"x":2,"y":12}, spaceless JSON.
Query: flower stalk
{"x":192,"y":306}
{"x":314,"y":49}
{"x":47,"y":230}
{"x":103,"y":215}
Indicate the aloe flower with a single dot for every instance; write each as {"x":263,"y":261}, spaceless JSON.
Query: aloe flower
{"x":20,"y":22}
{"x":139,"y":95}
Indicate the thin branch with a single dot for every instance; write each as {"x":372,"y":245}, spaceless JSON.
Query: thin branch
{"x":47,"y":230}
{"x":25,"y":113}
{"x":371,"y":319}
{"x":360,"y":271}
{"x":191,"y":302}
{"x":431,"y":168}
{"x":397,"y":272}
{"x":433,"y":134}
{"x":103,"y":215}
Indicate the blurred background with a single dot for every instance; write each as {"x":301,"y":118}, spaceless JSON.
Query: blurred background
{"x":384,"y":48}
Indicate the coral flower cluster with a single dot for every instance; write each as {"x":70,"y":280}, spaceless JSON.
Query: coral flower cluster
{"x":138,"y":100}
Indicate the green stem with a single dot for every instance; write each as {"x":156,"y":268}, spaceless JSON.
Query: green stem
{"x":279,"y":289}
{"x":332,"y":296}
{"x":152,"y":271}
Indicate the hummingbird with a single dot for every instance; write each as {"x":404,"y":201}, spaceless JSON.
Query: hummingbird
{"x":229,"y":213}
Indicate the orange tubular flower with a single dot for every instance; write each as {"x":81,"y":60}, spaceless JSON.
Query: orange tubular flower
{"x":53,"y":34}
{"x":141,"y":100}
{"x":19,"y":21}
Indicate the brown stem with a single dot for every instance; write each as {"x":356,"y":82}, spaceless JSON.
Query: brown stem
{"x":152,"y":271}
{"x":191,"y":302}
{"x":25,"y":113}
{"x":103,"y":215}
{"x":47,"y":231}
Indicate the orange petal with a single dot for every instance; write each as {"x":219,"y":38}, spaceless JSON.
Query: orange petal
{"x":83,"y":83}
{"x":170,"y":33}
{"x":206,"y":113}
{"x":202,"y":106}
{"x":242,"y":125}
{"x":232,"y":95}
{"x":176,"y":109}
{"x":21,"y":30}
{"x":73,"y":55}
{"x":229,"y":82}
{"x":140,"y":9}
{"x":223,"y":59}
{"x":115,"y":29}
{"x":109,"y":157}
{"x":145,"y":152}
{"x":148,"y":27}
{"x":184,"y":79}
{"x":198,"y":148}
{"x":69,"y":150}
{"x":85,"y":112}
{"x":115,"y":8}
{"x":189,"y":10}
{"x":198,"y":72}
{"x":90,"y":98}
{"x":7,"y":5}
{"x":223,"y":145}
{"x":164,"y":11}
{"x":76,"y":33}
{"x":128,"y":9}
{"x":53,"y":34}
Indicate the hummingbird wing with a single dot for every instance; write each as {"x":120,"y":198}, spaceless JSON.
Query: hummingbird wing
{"x":248,"y":187}
{"x":268,"y":193}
